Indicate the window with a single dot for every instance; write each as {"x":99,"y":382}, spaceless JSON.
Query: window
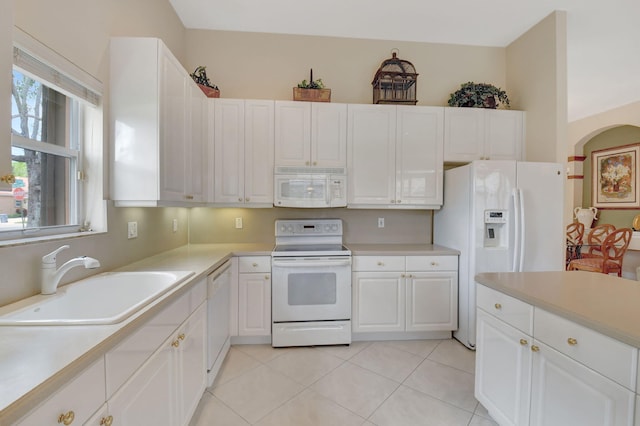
{"x":55,"y":113}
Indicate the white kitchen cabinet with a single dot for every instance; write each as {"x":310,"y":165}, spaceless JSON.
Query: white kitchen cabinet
{"x":503,"y":370}
{"x":218,"y":318}
{"x":243,"y":144}
{"x":570,"y":375}
{"x":404,"y":294}
{"x":254,"y":296}
{"x":483,"y":134}
{"x":395,"y":156}
{"x":75,"y":402}
{"x":310,"y":134}
{"x":167,"y":388}
{"x":154,"y":104}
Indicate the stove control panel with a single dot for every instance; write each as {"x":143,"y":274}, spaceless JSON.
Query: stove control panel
{"x":308,"y":227}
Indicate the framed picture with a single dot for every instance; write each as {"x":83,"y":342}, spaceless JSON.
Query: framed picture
{"x":615,"y":177}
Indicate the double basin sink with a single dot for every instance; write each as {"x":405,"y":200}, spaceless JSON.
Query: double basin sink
{"x":106,"y":298}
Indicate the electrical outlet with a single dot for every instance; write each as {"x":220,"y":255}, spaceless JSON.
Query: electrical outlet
{"x":381,"y":222}
{"x":132,"y":230}
{"x":238,"y":223}
{"x":175,"y":225}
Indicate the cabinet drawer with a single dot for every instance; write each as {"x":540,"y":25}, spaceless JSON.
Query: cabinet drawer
{"x":610,"y":357}
{"x":432,"y":263}
{"x":509,"y":309}
{"x":254,"y":264}
{"x":378,"y":263}
{"x":83,"y":396}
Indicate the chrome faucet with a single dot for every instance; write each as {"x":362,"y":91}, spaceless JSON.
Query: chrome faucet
{"x":51,"y":276}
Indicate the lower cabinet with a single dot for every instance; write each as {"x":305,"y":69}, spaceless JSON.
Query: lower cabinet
{"x":404,"y":293}
{"x":168,"y":387}
{"x":254,"y":296}
{"x":554,"y":373}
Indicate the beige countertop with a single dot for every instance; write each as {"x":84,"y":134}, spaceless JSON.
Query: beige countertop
{"x":36,"y":360}
{"x":607,"y":304}
{"x":400,"y":250}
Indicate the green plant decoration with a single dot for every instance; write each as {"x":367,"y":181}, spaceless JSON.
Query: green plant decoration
{"x":200,"y":77}
{"x":479,"y":95}
{"x":311,"y":84}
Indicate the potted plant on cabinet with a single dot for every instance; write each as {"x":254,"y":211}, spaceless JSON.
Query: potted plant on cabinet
{"x":201,"y":79}
{"x":479,"y":95}
{"x":312,"y":90}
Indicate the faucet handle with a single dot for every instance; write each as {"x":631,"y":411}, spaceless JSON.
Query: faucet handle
{"x":51,"y":257}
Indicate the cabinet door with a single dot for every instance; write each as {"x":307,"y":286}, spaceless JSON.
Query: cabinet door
{"x":432,"y":301}
{"x":191,"y":368}
{"x":504,"y":135}
{"x":503,"y":370}
{"x":292,"y":133}
{"x":149,"y":397}
{"x":371,"y":154}
{"x":419,"y":157}
{"x":258,"y":152}
{"x":78,"y":399}
{"x":378,"y":301}
{"x":172,"y":128}
{"x":254,"y":304}
{"x":565,"y":392}
{"x":328,"y":134}
{"x":463,"y":134}
{"x":229,"y":151}
{"x":196,"y":146}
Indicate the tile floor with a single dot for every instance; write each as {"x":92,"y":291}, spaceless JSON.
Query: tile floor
{"x":419,"y":382}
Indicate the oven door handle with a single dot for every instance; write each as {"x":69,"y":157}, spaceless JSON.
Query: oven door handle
{"x":310,"y":263}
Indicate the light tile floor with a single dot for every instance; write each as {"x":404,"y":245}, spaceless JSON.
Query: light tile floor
{"x":418,"y":382}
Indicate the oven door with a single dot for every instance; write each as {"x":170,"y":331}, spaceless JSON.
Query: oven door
{"x":311,"y":288}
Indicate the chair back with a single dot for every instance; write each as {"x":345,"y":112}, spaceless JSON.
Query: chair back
{"x":575,"y":232}
{"x":596,"y":236}
{"x":615,"y":245}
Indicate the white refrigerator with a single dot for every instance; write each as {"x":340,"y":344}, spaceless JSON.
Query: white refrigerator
{"x":502,"y":216}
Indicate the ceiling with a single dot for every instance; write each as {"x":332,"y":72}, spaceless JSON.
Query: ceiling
{"x":603,"y":38}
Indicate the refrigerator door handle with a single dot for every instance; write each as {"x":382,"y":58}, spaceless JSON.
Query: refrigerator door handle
{"x":516,"y":217}
{"x":523,"y":224}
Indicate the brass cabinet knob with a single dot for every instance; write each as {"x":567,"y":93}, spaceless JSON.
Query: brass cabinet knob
{"x":67,"y":418}
{"x":189,"y":197}
{"x":266,"y":277}
{"x":315,"y":163}
{"x":106,"y":421}
{"x":393,"y":201}
{"x":434,"y":263}
{"x":535,"y":348}
{"x":403,"y":276}
{"x":524,"y":342}
{"x":181,"y":336}
{"x":240,"y":199}
{"x":498,"y":306}
{"x":306,"y":163}
{"x":572,"y":341}
{"x":246,"y":199}
{"x":398,"y":201}
{"x":175,"y":343}
{"x":255,"y":265}
{"x":380,"y":263}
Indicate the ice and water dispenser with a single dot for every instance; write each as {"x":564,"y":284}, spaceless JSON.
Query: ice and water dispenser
{"x":495,"y":228}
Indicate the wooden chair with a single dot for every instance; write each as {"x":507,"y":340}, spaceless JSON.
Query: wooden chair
{"x":595,"y":237}
{"x":613,"y":249}
{"x":575,"y":232}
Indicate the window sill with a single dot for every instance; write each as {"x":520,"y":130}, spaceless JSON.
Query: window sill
{"x":47,"y":238}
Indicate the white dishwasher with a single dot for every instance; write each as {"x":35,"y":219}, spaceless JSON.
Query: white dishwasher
{"x":218,"y":297}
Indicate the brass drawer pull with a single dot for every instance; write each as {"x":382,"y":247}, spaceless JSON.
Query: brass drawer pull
{"x":571,"y":341}
{"x":498,"y":306}
{"x":67,"y":418}
{"x":106,"y":421}
{"x":535,"y":348}
{"x":523,"y":342}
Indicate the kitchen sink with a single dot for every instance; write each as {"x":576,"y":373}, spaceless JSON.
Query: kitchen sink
{"x":106,"y":298}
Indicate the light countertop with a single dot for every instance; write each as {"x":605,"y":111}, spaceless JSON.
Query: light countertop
{"x":607,"y":304}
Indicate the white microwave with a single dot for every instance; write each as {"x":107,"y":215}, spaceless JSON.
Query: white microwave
{"x":310,"y":187}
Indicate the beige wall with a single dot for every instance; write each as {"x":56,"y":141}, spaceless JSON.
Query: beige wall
{"x":360,"y":226}
{"x":267,"y":66}
{"x":537,"y":81}
{"x":80,"y":31}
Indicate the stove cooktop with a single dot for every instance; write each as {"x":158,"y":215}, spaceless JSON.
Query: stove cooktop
{"x":311,"y":250}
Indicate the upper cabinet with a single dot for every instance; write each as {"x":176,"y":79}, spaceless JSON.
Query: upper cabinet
{"x":310,"y":134}
{"x":158,"y":133}
{"x":395,"y":156}
{"x":243,"y":145}
{"x":483,"y":134}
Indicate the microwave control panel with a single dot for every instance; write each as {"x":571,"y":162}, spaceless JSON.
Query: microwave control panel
{"x":300,"y":227}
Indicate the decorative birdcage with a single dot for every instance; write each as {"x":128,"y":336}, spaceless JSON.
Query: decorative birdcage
{"x":395,"y":82}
